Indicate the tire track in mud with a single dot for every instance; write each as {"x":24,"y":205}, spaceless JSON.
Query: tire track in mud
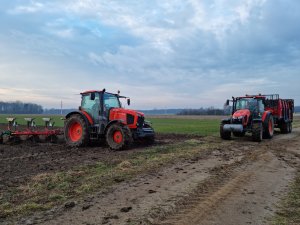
{"x":199,"y":206}
{"x":224,"y":180}
{"x":192,"y":208}
{"x":189,"y":192}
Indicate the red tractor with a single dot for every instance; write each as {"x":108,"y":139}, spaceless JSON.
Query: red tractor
{"x":101,"y":116}
{"x":259,"y":115}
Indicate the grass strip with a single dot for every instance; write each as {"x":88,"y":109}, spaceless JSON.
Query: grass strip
{"x":289,"y":210}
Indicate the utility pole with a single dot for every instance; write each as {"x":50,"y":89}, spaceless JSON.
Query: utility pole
{"x":61,"y":107}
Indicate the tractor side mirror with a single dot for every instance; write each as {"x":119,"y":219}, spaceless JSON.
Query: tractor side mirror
{"x":227,"y":102}
{"x":93,"y":96}
{"x":128,"y":101}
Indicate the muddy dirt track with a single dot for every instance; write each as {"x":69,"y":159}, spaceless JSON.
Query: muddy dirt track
{"x":239,"y":182}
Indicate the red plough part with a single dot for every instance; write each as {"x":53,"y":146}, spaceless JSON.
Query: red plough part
{"x":31,"y":132}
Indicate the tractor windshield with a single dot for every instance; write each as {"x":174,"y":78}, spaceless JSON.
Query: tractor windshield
{"x":111,"y":101}
{"x":246,"y":103}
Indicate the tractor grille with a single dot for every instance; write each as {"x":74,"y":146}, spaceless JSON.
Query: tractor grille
{"x":140,"y":122}
{"x":130,"y":119}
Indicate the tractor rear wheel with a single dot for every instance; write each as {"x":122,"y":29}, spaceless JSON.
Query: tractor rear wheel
{"x":257,"y":132}
{"x":269,"y":127}
{"x":118,"y":137}
{"x":76,"y":131}
{"x":226,"y":135}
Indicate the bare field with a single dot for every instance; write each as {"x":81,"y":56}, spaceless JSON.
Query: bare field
{"x":181,"y":179}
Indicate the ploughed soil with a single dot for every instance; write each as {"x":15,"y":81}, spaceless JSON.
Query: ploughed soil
{"x":21,"y":160}
{"x":239,"y":182}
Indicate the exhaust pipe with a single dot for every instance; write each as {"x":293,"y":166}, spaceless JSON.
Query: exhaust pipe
{"x":233,"y":128}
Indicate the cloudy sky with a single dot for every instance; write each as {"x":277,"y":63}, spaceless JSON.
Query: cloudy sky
{"x":161,"y":53}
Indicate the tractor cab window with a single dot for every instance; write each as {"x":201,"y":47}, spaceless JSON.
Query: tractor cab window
{"x":91,"y":104}
{"x":242,"y":104}
{"x":111,"y":101}
{"x":261,"y":107}
{"x":246,"y":103}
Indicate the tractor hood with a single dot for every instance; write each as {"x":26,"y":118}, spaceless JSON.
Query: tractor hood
{"x":239,"y":114}
{"x":127,"y":116}
{"x":125,"y":111}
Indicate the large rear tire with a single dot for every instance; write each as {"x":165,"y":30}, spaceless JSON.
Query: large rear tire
{"x":290,"y":127}
{"x":76,"y":131}
{"x":269,"y":127}
{"x":257,"y":132}
{"x":118,"y":137}
{"x":226,"y":135}
{"x":284,"y":128}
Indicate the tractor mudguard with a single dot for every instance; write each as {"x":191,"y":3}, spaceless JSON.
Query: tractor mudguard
{"x":84,"y":115}
{"x":265,"y":115}
{"x":113,"y":122}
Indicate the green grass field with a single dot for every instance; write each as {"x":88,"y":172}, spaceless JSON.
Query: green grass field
{"x":198,"y":126}
{"x":201,"y":126}
{"x":39,"y":121}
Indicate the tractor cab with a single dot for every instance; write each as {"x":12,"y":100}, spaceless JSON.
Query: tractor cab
{"x":251,"y":106}
{"x":101,"y":116}
{"x":98,"y":104}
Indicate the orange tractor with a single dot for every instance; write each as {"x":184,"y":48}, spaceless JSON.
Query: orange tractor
{"x":259,"y":115}
{"x":101,"y":116}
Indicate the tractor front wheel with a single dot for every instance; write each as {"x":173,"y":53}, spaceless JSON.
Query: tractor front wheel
{"x":257,"y":132}
{"x":76,"y":131}
{"x":226,"y":135}
{"x":118,"y":137}
{"x":269,"y":127}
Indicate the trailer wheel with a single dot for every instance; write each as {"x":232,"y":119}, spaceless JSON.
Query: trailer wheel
{"x":290,"y":127}
{"x":284,"y":128}
{"x":118,"y":137}
{"x":269,"y":127}
{"x":226,"y":135}
{"x":76,"y":131}
{"x":257,"y":132}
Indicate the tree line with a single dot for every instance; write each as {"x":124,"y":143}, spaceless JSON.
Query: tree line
{"x":19,"y":107}
{"x":202,"y":111}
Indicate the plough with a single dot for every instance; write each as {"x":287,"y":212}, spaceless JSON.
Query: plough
{"x":31,"y":132}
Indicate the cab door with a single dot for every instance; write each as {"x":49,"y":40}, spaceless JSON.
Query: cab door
{"x":90,"y":103}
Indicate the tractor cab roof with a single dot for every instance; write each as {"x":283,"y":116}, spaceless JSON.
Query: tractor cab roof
{"x":98,"y":91}
{"x":260,"y":96}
